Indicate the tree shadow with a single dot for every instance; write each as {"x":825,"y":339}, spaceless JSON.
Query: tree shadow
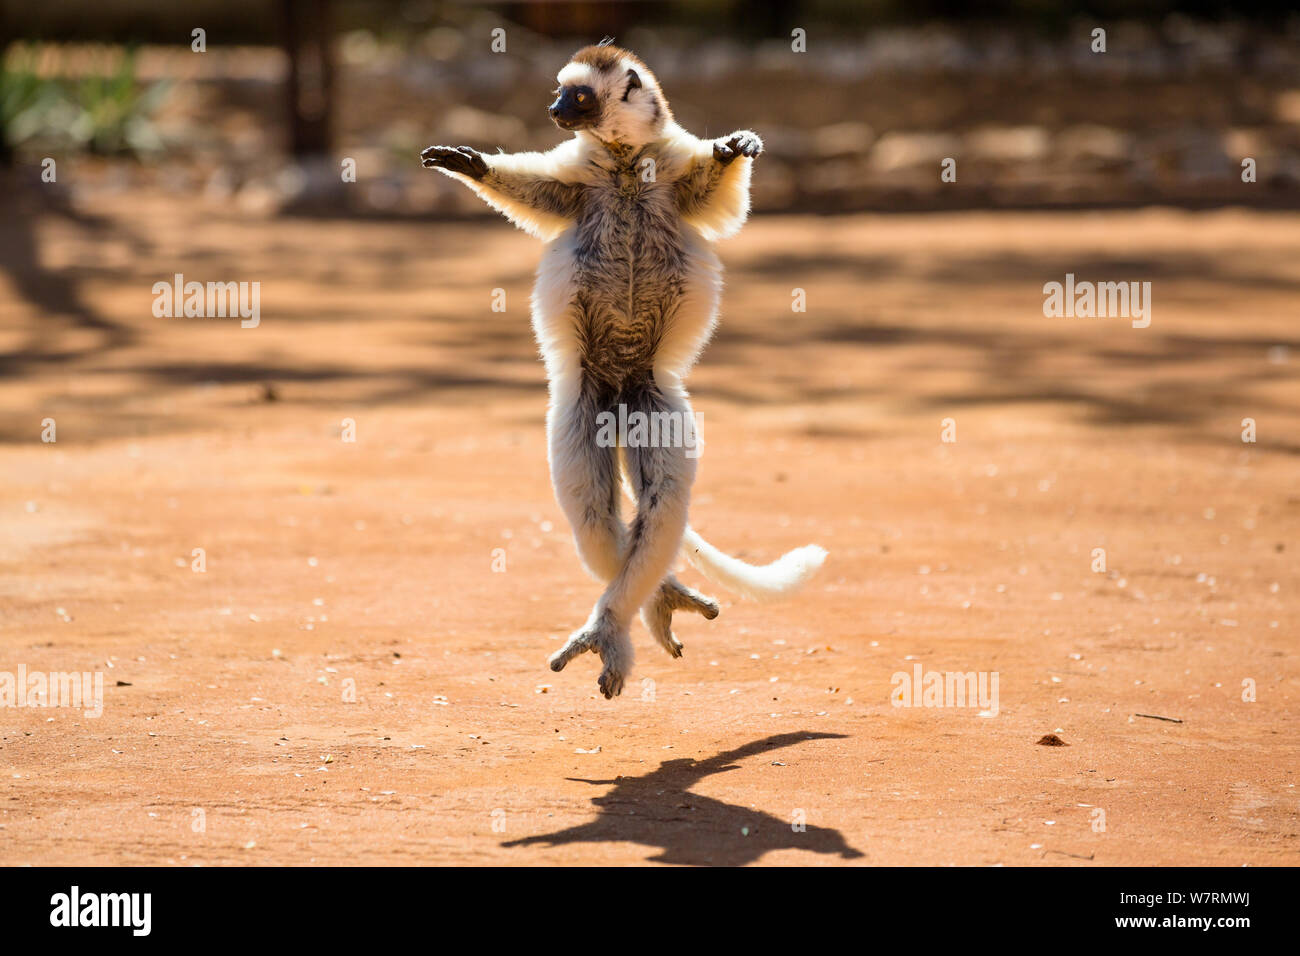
{"x":660,"y":810}
{"x":56,"y":293}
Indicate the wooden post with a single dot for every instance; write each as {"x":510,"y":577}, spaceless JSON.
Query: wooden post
{"x":308,"y":34}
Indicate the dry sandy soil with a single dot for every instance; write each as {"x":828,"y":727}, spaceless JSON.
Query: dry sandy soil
{"x":229,"y":735}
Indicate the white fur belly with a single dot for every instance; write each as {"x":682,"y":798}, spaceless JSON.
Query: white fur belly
{"x":697,"y":313}
{"x":553,"y":294}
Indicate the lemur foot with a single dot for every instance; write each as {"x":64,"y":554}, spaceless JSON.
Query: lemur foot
{"x":740,"y":143}
{"x":602,"y":635}
{"x":456,"y":159}
{"x":674,"y":596}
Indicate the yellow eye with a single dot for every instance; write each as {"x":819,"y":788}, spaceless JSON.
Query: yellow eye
{"x":581,"y":97}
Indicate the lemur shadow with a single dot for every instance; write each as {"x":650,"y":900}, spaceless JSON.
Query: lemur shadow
{"x":659,"y":810}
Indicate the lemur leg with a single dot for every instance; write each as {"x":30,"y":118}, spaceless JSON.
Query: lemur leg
{"x":672,"y":595}
{"x":657,"y":613}
{"x":661,"y":478}
{"x":585,"y":477}
{"x":586,"y":481}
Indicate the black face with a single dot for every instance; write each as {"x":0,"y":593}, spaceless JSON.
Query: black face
{"x":575,"y":107}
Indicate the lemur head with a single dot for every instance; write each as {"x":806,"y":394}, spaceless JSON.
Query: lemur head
{"x":608,"y":93}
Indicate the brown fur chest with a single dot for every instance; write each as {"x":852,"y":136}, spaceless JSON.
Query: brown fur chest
{"x":630,"y":267}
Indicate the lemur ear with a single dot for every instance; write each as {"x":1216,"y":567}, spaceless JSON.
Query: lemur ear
{"x":633,"y":83}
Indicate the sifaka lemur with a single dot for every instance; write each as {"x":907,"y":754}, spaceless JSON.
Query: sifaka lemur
{"x":626,"y":297}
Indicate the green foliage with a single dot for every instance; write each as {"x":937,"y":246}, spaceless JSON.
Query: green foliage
{"x":102,"y":114}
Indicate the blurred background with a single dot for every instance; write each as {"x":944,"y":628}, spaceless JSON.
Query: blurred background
{"x":277,"y":142}
{"x":860,"y":121}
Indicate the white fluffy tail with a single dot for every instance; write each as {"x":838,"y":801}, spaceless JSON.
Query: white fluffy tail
{"x":785,"y":575}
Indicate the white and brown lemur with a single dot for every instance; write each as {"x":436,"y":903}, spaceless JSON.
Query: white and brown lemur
{"x":626,"y":297}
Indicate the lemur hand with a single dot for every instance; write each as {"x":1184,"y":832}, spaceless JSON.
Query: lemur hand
{"x":740,"y":143}
{"x":456,"y":159}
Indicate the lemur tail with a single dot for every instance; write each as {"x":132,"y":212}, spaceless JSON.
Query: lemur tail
{"x":785,"y":575}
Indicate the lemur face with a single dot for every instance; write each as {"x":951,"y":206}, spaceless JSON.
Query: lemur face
{"x":610,"y":94}
{"x":575,"y":107}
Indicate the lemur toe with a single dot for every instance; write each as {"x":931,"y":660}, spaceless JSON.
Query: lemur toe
{"x":681,"y":598}
{"x":743,"y":143}
{"x":747,"y":143}
{"x":567,"y":653}
{"x":433,"y":156}
{"x":477,"y":164}
{"x":610,"y":683}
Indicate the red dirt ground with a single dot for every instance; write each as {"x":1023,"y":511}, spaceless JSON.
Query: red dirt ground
{"x":369,"y":565}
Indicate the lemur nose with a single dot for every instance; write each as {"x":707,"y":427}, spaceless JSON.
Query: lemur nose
{"x":554,"y":108}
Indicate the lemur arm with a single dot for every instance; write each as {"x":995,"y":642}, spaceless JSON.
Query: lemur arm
{"x":524,"y":187}
{"x":713,"y":193}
